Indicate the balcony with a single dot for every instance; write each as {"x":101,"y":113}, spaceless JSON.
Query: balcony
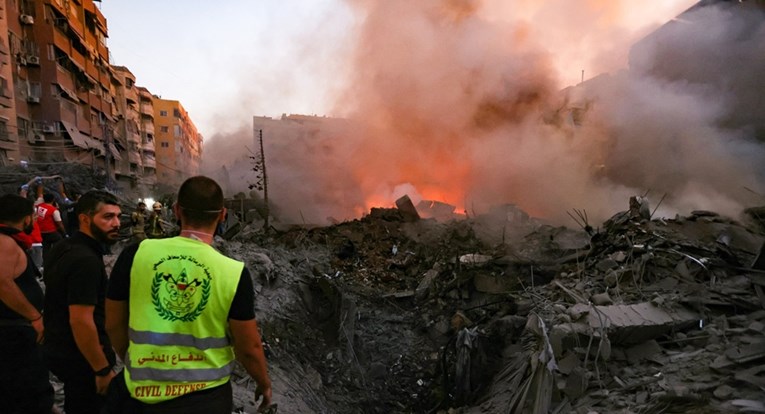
{"x":134,"y":138}
{"x":148,"y":127}
{"x":134,"y":157}
{"x":147,"y":147}
{"x":149,"y":162}
{"x":146,"y":108}
{"x":131,"y":95}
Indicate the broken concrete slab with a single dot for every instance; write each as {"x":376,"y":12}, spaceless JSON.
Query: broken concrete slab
{"x":475,"y":259}
{"x":406,"y":207}
{"x":639,"y":322}
{"x":423,"y":289}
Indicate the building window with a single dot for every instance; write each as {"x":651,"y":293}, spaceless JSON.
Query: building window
{"x":22,"y":126}
{"x":177,"y":130}
{"x":164,"y":144}
{"x":176,"y":113}
{"x":4,"y":90}
{"x":4,"y":135}
{"x":164,"y":129}
{"x":162,"y":113}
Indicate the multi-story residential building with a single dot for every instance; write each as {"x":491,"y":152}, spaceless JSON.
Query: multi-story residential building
{"x":62,"y":101}
{"x":9,"y":143}
{"x":178,"y":144}
{"x":294,"y":126}
{"x":127,"y":129}
{"x":62,"y":82}
{"x":146,"y":126}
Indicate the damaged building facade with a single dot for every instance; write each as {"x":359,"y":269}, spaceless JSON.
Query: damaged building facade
{"x":62,"y":101}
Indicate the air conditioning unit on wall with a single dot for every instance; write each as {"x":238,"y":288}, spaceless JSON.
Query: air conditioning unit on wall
{"x":26,"y":19}
{"x":33,"y":99}
{"x":33,"y":60}
{"x":36,"y":138}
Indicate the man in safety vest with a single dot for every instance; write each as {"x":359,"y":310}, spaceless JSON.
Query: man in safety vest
{"x":178,"y":312}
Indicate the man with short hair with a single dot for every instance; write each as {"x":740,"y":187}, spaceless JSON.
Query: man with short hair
{"x":175,"y":306}
{"x":50,"y":222}
{"x":24,"y":385}
{"x":77,"y":348}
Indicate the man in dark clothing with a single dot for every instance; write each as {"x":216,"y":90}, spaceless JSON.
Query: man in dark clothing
{"x":77,"y":348}
{"x":24,"y":385}
{"x":138,"y":220}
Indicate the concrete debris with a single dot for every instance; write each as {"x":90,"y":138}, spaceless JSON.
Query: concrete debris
{"x":407,"y":209}
{"x":502,"y":313}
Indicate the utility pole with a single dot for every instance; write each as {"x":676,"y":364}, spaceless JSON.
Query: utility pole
{"x":259,"y":161}
{"x":265,"y":178}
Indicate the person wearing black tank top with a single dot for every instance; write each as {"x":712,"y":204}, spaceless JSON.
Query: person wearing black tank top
{"x":24,"y":384}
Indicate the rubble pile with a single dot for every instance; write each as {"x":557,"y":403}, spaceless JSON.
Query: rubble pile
{"x":503,"y":313}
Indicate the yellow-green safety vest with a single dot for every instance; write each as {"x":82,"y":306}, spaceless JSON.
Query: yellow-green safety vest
{"x":181,"y":291}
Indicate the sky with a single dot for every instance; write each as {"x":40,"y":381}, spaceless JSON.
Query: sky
{"x":464,"y":101}
{"x":229,"y":60}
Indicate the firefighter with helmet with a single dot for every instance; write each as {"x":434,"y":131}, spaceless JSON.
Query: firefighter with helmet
{"x":155,"y":228}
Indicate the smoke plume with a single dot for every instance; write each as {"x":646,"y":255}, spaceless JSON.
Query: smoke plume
{"x":466,"y":102}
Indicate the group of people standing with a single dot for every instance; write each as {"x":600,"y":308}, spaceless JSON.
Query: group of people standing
{"x":147,"y":225}
{"x":174,"y":310}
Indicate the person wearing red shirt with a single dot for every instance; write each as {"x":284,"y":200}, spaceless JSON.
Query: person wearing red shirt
{"x":49,"y":220}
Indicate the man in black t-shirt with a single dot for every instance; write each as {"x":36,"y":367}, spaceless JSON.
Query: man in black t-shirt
{"x":76,"y":346}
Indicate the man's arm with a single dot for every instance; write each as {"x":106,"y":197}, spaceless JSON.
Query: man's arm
{"x":86,"y":338}
{"x":59,"y":222}
{"x":11,"y":265}
{"x":248,"y":347}
{"x":117,"y":325}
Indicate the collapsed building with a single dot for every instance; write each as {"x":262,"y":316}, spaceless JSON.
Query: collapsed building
{"x":505,"y":313}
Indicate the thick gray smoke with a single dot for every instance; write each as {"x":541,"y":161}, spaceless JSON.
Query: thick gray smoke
{"x":451,"y":103}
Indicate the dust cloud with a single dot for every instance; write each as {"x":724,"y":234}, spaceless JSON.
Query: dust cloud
{"x":470,"y":103}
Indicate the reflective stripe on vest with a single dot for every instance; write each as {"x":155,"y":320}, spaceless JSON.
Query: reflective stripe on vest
{"x":156,"y":338}
{"x":180,"y":295}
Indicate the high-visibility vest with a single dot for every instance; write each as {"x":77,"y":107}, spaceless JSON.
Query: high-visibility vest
{"x":180,"y":295}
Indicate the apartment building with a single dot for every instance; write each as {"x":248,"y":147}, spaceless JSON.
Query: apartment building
{"x":146,"y":127}
{"x":178,"y":144}
{"x":127,"y":130}
{"x":61,"y":83}
{"x":9,"y":145}
{"x":61,"y":101}
{"x":295,"y":126}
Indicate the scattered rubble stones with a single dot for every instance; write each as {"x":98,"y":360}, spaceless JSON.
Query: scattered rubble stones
{"x":504,"y":313}
{"x":497,"y":313}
